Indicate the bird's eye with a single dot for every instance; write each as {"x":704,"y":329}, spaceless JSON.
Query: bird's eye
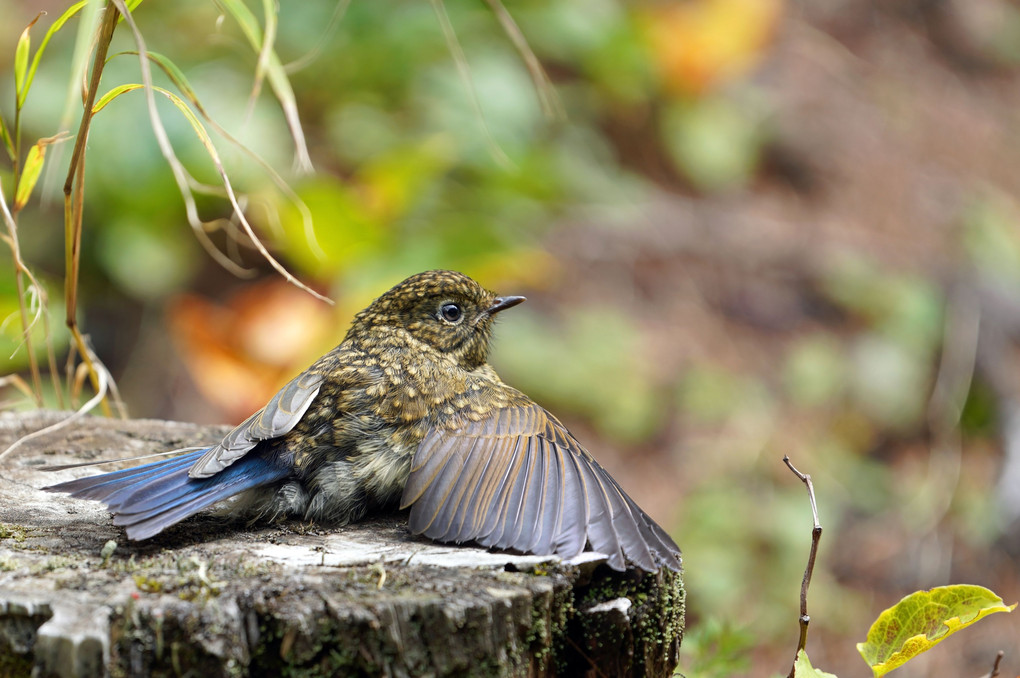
{"x":450,"y":312}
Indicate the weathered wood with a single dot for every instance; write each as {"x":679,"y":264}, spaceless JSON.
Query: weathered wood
{"x":212,"y":597}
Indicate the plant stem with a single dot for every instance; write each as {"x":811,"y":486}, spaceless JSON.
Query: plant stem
{"x":816,"y":535}
{"x":19,"y":265}
{"x":74,"y":195}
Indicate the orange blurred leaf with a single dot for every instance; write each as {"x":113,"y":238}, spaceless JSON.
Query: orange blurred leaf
{"x":240,"y":353}
{"x":701,"y":44}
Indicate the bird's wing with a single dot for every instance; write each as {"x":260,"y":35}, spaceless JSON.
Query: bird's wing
{"x":278,"y":417}
{"x":518,"y":479}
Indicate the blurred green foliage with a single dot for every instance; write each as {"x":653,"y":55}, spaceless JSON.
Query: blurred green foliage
{"x":990,"y":235}
{"x":715,"y":141}
{"x":589,"y":362}
{"x":716,"y":650}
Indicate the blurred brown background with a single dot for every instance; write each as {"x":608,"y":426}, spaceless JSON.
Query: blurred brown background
{"x":761,"y":227}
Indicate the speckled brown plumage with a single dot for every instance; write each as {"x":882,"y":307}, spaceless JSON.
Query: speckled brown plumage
{"x":405,"y":411}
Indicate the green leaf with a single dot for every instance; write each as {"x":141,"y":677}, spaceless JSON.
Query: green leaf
{"x":21,"y":58}
{"x":922,"y":620}
{"x":802,"y":668}
{"x":71,"y":11}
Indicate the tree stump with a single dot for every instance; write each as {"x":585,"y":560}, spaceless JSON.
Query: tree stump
{"x":215,"y":597}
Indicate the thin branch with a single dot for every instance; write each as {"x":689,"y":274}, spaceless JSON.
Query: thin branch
{"x":311,"y":55}
{"x":816,"y":535}
{"x":593,"y":666}
{"x":995,"y":666}
{"x":269,"y":10}
{"x":547,"y":98}
{"x":465,"y":75}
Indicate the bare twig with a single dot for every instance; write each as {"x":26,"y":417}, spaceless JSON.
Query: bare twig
{"x":995,"y":666}
{"x":816,"y":535}
{"x":464,"y":71}
{"x":593,"y":666}
{"x":312,"y":54}
{"x":547,"y":98}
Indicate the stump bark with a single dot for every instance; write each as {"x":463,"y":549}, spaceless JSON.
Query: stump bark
{"x":211,"y":597}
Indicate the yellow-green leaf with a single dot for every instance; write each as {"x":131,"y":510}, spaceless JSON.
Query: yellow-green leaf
{"x":245,"y":19}
{"x":5,"y":137}
{"x":802,"y":668}
{"x":189,"y":115}
{"x":922,"y":620}
{"x":113,"y":94}
{"x":57,"y":25}
{"x":29,"y":175}
{"x":131,"y":6}
{"x":32,"y":167}
{"x":176,"y":76}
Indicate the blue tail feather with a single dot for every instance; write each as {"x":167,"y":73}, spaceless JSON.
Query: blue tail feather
{"x":147,"y":499}
{"x":104,"y":487}
{"x":145,"y":525}
{"x":116,"y":492}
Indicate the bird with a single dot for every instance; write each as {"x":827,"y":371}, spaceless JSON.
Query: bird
{"x":407,"y":413}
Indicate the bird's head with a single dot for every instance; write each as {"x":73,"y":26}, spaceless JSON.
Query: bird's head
{"x":446,"y":311}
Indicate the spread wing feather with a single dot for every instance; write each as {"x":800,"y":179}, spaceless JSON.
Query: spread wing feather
{"x":278,"y":417}
{"x":518,"y":479}
{"x":508,"y":469}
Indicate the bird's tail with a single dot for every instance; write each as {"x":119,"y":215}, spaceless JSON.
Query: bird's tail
{"x":147,"y":499}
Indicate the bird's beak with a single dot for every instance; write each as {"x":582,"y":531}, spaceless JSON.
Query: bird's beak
{"x":503,"y":303}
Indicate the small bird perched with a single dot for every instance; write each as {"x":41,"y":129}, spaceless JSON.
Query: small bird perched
{"x":404,"y":412}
